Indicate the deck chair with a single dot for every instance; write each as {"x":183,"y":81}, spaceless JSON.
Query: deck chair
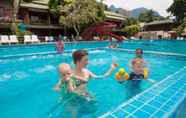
{"x":51,"y":38}
{"x":46,"y":39}
{"x":13,"y":39}
{"x":4,"y":39}
{"x":27,"y":39}
{"x":35,"y":39}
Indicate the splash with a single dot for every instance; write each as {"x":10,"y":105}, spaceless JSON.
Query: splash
{"x":19,"y":75}
{"x":5,"y":76}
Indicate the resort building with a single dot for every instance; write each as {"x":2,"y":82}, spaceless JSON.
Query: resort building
{"x":38,"y":19}
{"x":6,"y":16}
{"x":158,"y":30}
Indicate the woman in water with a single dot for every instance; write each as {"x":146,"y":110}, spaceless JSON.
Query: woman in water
{"x":80,"y":58}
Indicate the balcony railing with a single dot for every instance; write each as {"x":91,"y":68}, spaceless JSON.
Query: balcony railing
{"x":39,"y":22}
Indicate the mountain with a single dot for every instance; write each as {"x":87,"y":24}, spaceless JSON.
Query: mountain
{"x":119,"y":10}
{"x":136,"y":12}
{"x":133,"y":13}
{"x":113,"y":8}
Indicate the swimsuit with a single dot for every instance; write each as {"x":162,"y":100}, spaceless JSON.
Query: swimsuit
{"x":134,"y":76}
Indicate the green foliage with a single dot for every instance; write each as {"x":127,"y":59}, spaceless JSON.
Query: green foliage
{"x":68,"y":1}
{"x":80,"y":13}
{"x":178,"y":9}
{"x":149,"y":16}
{"x":53,"y":5}
{"x":180,"y":29}
{"x":130,"y":21}
{"x":131,"y":30}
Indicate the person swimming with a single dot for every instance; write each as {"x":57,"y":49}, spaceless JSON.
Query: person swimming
{"x":80,"y":58}
{"x":137,"y":69}
{"x":67,"y":83}
{"x":59,"y":45}
{"x":138,"y":66}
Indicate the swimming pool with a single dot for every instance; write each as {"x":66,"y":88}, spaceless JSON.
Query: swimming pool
{"x":26,"y":82}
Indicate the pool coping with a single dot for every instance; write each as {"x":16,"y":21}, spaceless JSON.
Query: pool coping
{"x":151,"y":52}
{"x":117,"y":49}
{"x":49,"y":43}
{"x":110,"y":112}
{"x":44,"y":53}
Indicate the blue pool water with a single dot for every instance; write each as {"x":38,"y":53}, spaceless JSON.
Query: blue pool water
{"x":26,"y":82}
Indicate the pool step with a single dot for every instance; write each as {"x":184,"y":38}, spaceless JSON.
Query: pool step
{"x":159,"y":101}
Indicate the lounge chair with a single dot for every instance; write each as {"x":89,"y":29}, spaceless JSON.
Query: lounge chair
{"x":46,"y":39}
{"x":4,"y":39}
{"x":27,"y":39}
{"x":80,"y":38}
{"x":35,"y":39}
{"x":96,"y":38}
{"x":51,"y":38}
{"x":13,"y":39}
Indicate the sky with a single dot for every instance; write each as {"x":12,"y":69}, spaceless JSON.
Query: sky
{"x":157,"y":5}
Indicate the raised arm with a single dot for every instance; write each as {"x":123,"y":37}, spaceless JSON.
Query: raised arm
{"x":108,"y":73}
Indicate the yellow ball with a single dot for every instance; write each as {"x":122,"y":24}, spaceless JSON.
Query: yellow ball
{"x":121,"y":71}
{"x":126,"y":76}
{"x":117,"y":76}
{"x":146,"y":72}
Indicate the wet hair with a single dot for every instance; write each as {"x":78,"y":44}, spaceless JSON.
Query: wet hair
{"x":139,"y":49}
{"x":78,"y":55}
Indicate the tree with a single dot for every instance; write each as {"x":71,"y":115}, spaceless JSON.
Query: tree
{"x":77,"y":13}
{"x":53,"y":6}
{"x":130,"y":21}
{"x":178,"y":9}
{"x":149,"y":16}
{"x":16,"y":4}
{"x":146,"y":16}
{"x":80,"y":13}
{"x":131,"y":30}
{"x":180,"y":29}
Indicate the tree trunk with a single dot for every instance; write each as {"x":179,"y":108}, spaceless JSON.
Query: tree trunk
{"x":16,"y":4}
{"x":77,"y":32}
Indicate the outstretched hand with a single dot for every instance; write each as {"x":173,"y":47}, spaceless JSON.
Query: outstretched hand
{"x":114,"y":65}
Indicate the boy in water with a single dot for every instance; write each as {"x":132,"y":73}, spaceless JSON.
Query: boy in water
{"x":138,"y":65}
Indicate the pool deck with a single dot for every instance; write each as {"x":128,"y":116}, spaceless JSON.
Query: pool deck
{"x":159,"y":101}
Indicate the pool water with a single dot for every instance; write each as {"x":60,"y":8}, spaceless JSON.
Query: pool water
{"x":6,"y":51}
{"x":26,"y":82}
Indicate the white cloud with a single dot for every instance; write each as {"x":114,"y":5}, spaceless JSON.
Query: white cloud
{"x":158,"y":5}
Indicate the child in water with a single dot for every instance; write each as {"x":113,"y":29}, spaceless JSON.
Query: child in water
{"x":67,"y":82}
{"x":66,"y":74}
{"x":138,"y":65}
